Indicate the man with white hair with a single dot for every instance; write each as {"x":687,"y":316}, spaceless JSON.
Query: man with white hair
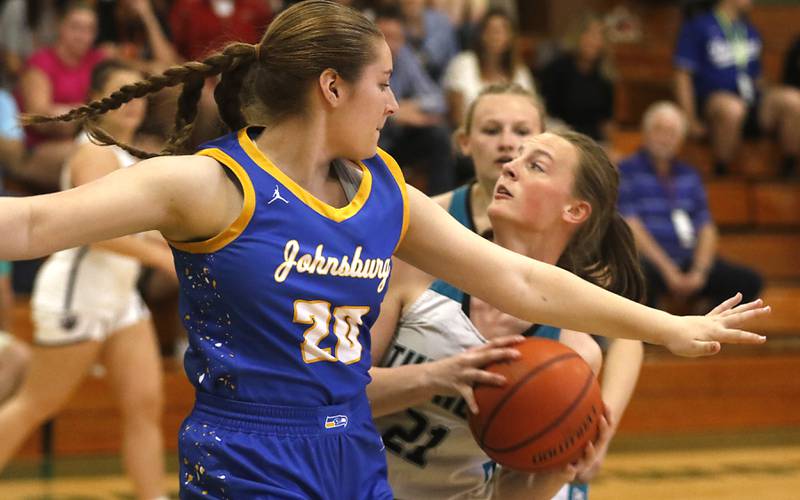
{"x":664,"y":202}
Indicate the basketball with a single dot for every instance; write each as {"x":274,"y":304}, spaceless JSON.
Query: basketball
{"x":546,"y":413}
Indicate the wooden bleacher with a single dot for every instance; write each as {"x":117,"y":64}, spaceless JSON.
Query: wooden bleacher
{"x":759,"y":218}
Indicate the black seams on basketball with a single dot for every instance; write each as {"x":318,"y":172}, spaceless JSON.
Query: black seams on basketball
{"x":545,"y":415}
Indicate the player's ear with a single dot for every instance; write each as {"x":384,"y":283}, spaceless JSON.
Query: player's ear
{"x":330,"y":83}
{"x":577,"y":212}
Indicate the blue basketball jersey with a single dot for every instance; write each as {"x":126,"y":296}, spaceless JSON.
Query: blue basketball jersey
{"x":279,"y":305}
{"x":460,"y":206}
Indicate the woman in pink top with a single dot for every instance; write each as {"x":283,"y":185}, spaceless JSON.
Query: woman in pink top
{"x":57,"y":79}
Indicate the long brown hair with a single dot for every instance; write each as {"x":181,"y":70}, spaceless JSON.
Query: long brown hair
{"x":577,"y":27}
{"x":299,"y":44}
{"x":509,"y":60}
{"x":602,"y":250}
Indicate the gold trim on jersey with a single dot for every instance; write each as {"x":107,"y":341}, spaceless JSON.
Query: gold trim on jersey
{"x":236,"y":228}
{"x":397,"y":173}
{"x":319,"y":206}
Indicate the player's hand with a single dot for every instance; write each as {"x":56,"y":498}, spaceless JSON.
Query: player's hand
{"x":694,"y":336}
{"x":589,"y":465}
{"x":456,"y":375}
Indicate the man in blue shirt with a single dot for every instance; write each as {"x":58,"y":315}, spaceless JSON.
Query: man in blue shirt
{"x":664,"y":202}
{"x":430,"y":35}
{"x":416,"y":134}
{"x":718,"y":80}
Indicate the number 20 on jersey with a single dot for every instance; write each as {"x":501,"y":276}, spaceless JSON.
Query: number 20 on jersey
{"x":346,"y":323}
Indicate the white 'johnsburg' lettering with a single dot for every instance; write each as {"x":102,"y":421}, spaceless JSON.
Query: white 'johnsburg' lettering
{"x":348,"y":266}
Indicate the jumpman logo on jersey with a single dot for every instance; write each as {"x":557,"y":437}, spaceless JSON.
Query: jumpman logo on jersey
{"x":276,"y":195}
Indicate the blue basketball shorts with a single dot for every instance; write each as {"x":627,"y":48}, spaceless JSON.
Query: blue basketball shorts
{"x":241,"y":451}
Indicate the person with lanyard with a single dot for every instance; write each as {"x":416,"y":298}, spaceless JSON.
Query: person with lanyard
{"x":282,"y":236}
{"x":719,"y":86}
{"x":665,"y":204}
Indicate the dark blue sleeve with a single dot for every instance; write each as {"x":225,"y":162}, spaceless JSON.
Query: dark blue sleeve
{"x":690,"y":46}
{"x":755,"y":65}
{"x":627,"y":204}
{"x":414,"y":83}
{"x":701,"y":215}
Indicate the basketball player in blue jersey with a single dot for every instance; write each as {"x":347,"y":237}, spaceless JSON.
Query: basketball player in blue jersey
{"x":278,"y":298}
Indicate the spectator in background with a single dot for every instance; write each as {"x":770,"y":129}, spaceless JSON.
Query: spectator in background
{"x":86,"y":308}
{"x":12,"y":138}
{"x":719,"y":86}
{"x":417,"y":133}
{"x":12,"y":149}
{"x":791,"y":65}
{"x":465,"y":15}
{"x":430,"y":35}
{"x":577,"y":85}
{"x":26,"y":26}
{"x":135,"y":31}
{"x":664,"y":202}
{"x":200,"y":27}
{"x":55,"y":80}
{"x":493,"y":59}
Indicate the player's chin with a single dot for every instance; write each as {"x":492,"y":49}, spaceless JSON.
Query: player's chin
{"x":367,"y":148}
{"x":498,"y":208}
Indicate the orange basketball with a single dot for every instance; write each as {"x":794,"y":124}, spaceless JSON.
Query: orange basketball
{"x":546,"y":413}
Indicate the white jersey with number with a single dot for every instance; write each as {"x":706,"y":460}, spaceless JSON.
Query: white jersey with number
{"x":430,"y":449}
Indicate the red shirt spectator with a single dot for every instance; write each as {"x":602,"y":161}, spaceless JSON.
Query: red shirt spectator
{"x":199,"y":27}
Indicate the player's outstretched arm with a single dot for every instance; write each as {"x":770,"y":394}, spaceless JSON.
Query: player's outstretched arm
{"x":541,"y":293}
{"x":175,"y":195}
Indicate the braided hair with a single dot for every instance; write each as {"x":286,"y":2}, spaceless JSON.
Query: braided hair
{"x":302,"y":42}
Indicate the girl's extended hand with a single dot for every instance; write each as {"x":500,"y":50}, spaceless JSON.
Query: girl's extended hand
{"x":702,"y":335}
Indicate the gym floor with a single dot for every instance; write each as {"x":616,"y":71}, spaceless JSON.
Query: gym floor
{"x":763,"y":466}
